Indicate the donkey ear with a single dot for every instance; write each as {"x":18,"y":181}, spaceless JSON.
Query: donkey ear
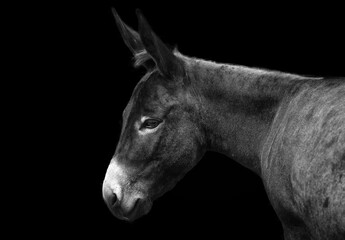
{"x":130,"y":37}
{"x":168,"y":64}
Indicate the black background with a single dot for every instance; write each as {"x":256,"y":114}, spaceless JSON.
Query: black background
{"x":93,"y":79}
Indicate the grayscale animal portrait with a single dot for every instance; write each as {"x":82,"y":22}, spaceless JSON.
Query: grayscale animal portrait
{"x":287,"y":128}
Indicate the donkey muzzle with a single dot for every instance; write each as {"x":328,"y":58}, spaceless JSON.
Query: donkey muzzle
{"x":125,"y":202}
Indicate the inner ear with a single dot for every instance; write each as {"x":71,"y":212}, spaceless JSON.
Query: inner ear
{"x":133,"y":42}
{"x":129,"y":36}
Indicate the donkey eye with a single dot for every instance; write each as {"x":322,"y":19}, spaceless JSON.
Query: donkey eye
{"x":151,"y":123}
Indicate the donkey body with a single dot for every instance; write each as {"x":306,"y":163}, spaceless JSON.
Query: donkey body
{"x":288,"y":129}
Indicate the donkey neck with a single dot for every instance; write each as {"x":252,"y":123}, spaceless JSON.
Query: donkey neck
{"x":238,"y":105}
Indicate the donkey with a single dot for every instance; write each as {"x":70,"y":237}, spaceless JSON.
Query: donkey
{"x":288,"y":129}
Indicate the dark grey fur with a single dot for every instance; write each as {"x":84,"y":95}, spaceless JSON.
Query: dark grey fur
{"x":288,"y":129}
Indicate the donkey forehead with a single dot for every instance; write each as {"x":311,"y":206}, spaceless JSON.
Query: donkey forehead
{"x":153,"y":92}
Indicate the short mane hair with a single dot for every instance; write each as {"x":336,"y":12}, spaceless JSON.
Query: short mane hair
{"x":141,"y":57}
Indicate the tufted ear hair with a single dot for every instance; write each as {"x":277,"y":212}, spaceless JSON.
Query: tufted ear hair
{"x":167,"y":63}
{"x":132,"y":40}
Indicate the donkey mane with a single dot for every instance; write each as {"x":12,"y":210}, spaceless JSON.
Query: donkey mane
{"x":243,"y":69}
{"x":141,"y":57}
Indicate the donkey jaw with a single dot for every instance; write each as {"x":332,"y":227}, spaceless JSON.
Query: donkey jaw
{"x":123,"y":201}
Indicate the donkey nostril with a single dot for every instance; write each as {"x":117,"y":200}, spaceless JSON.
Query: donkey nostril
{"x":112,"y":199}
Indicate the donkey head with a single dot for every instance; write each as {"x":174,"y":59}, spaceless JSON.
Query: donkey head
{"x":160,"y":138}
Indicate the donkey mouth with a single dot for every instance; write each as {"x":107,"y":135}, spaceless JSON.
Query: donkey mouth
{"x":133,"y":213}
{"x":140,"y":208}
